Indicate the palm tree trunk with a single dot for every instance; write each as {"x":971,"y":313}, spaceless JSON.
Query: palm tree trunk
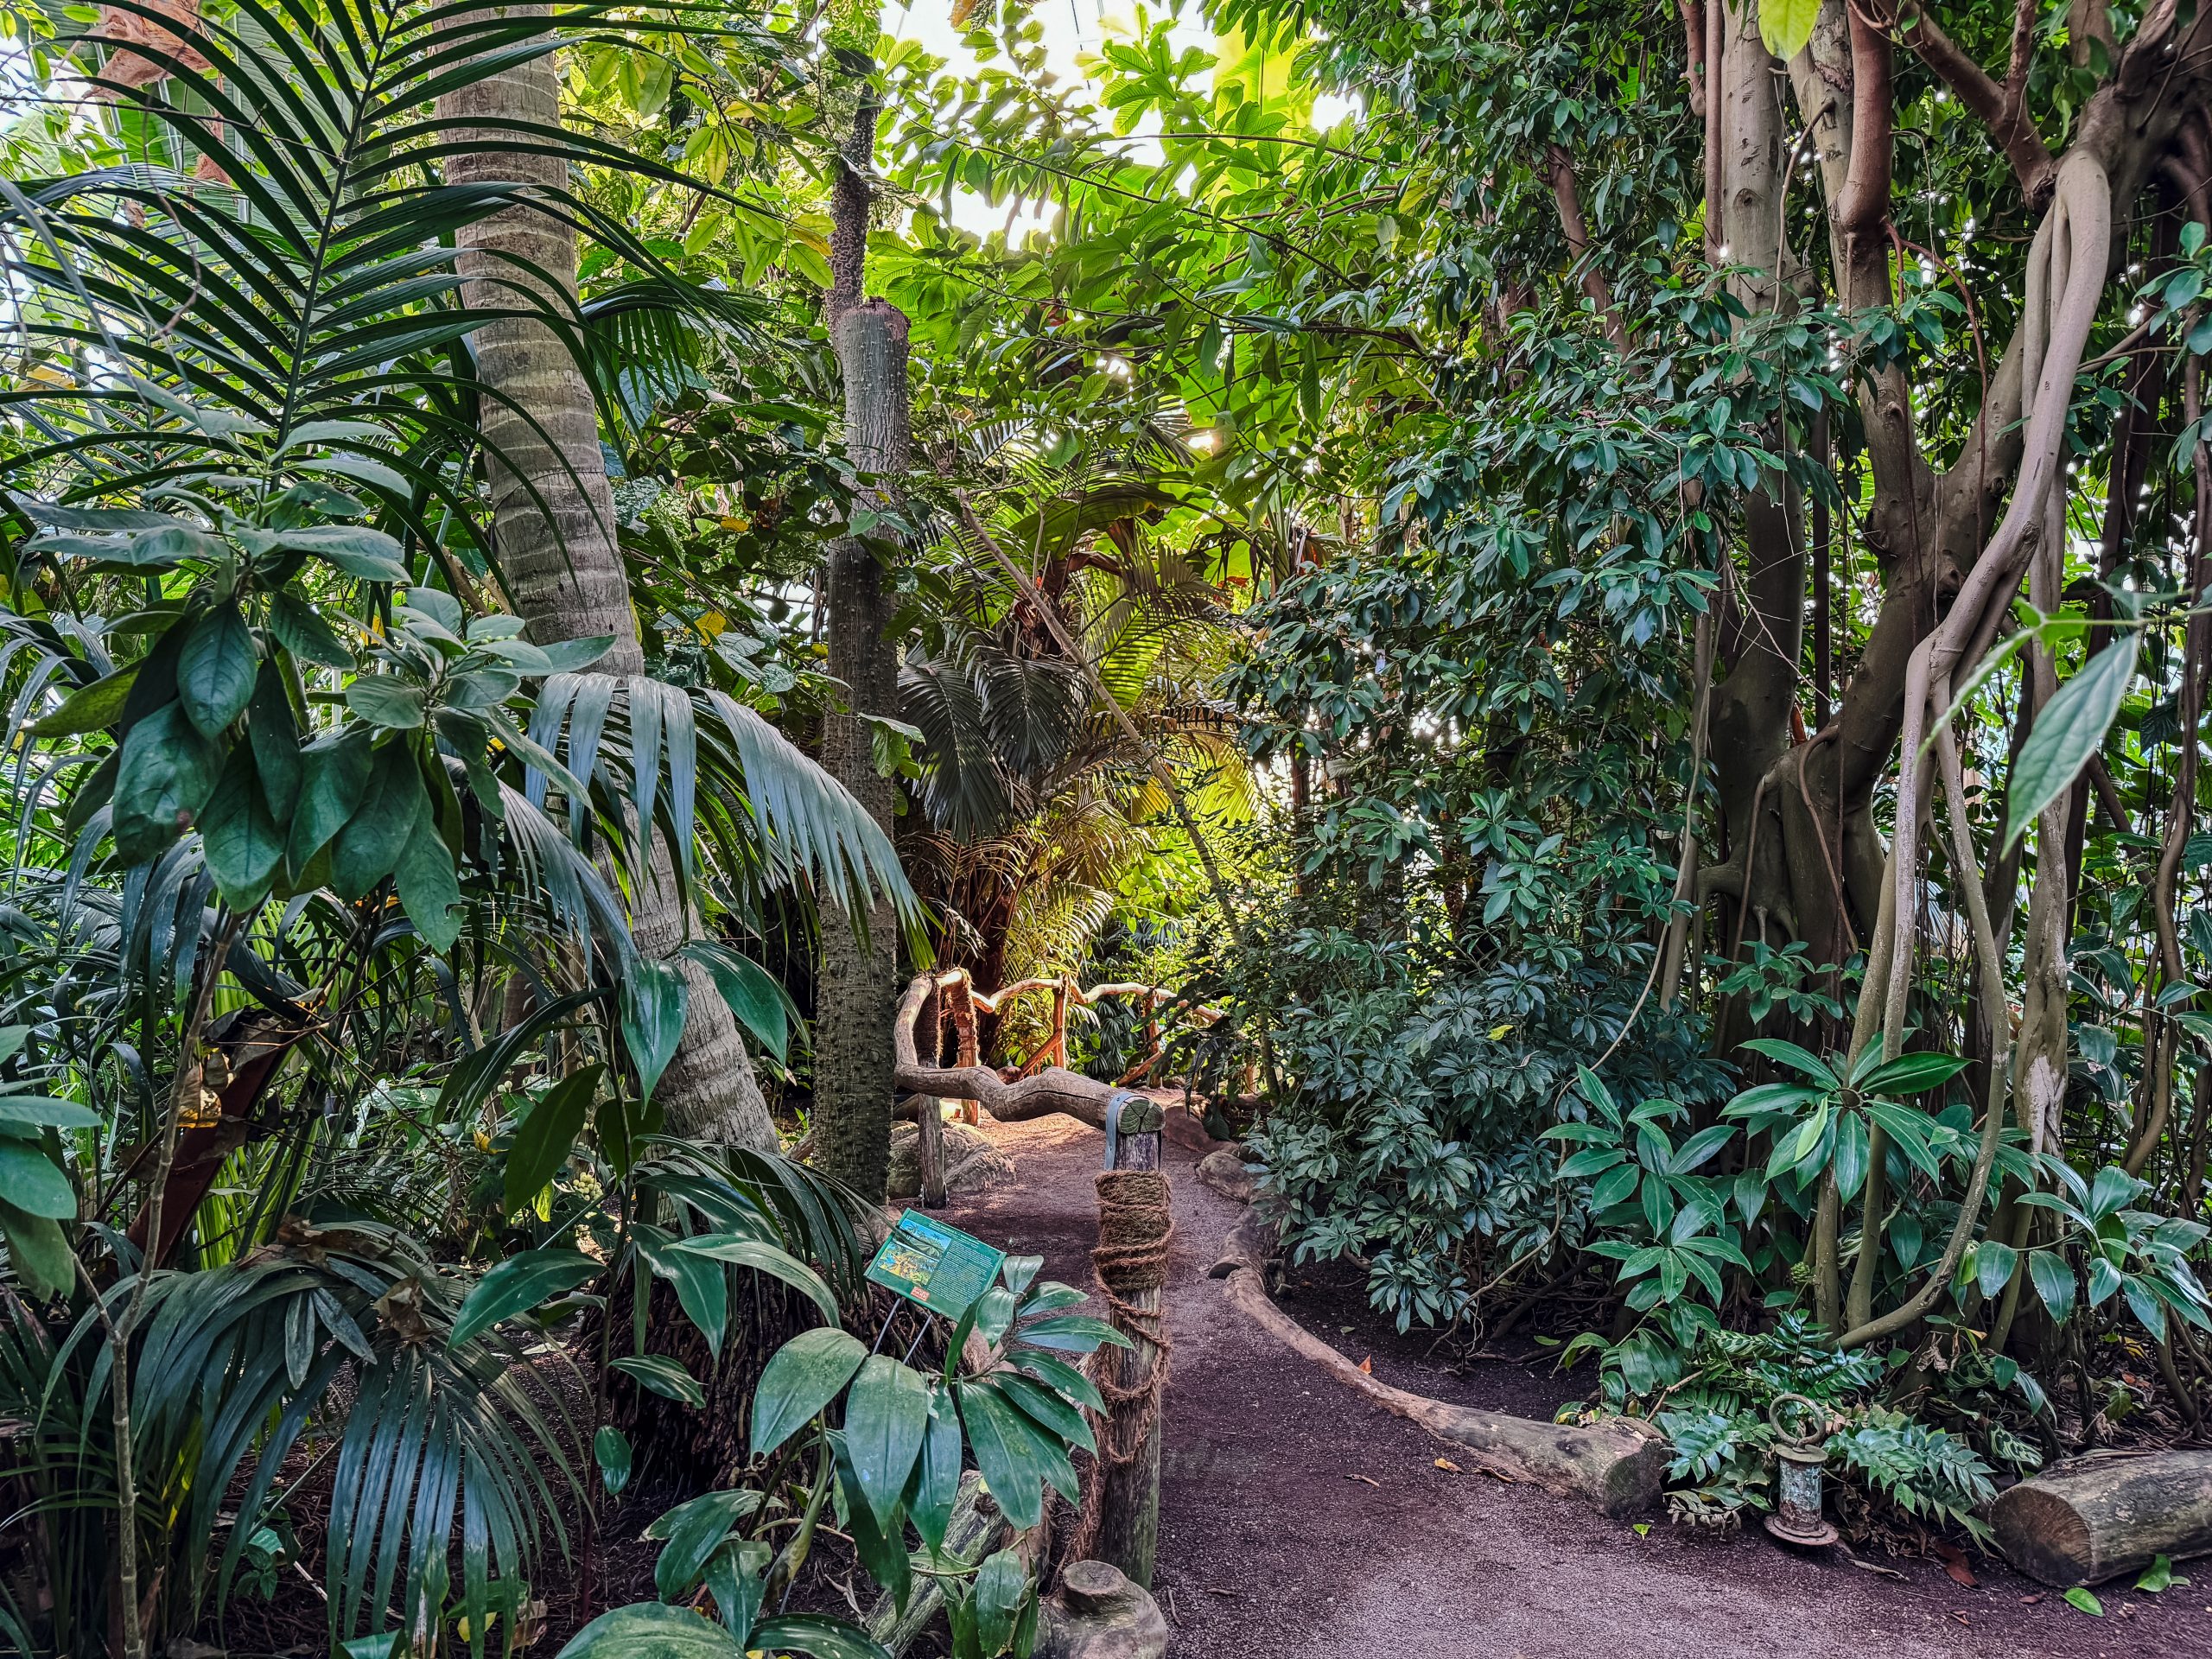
{"x":553,"y":528}
{"x":857,"y":988}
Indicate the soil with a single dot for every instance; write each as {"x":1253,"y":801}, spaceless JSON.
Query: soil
{"x":1299,"y":1521}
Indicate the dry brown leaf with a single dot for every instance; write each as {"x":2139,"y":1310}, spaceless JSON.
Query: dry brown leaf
{"x":1954,"y":1563}
{"x":1370,"y":1479}
{"x":1368,"y":1365}
{"x":1448,"y":1466}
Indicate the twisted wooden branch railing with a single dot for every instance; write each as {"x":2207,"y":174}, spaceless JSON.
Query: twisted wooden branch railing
{"x":1040,"y":1090}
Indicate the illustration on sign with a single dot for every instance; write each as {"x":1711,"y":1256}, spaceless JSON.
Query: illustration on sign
{"x":939,"y":1267}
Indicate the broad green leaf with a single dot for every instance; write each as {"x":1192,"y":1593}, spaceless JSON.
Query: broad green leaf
{"x":2112,"y":1189}
{"x":90,"y":708}
{"x":692,"y":1532}
{"x":655,"y":999}
{"x":369,"y":554}
{"x":886,"y":1413}
{"x":1851,"y":1151}
{"x":300,"y":629}
{"x":1796,"y":1058}
{"x":1993,"y":1266}
{"x":2054,"y":1282}
{"x":662,"y":1376}
{"x":517,"y":1285}
{"x":702,"y":1287}
{"x":216,"y":668}
{"x":2160,"y":1577}
{"x":936,"y":1489}
{"x":28,"y":1111}
{"x":734,"y":1576}
{"x":34,"y":1183}
{"x":39,"y":1249}
{"x":273,"y":733}
{"x":545,"y":1138}
{"x":392,"y":807}
{"x":387,"y":700}
{"x":242,"y":841}
{"x":765,"y":1258}
{"x":1615,"y":1186}
{"x":1787,"y":25}
{"x":2080,"y":1599}
{"x":333,"y":770}
{"x":803,"y":1377}
{"x":1909,"y":1074}
{"x":752,"y":992}
{"x":610,"y":1449}
{"x":1001,"y":1588}
{"x":651,"y":1630}
{"x":167,"y":772}
{"x":1012,"y":1454}
{"x":1071,"y":1333}
{"x":2068,"y":729}
{"x":1046,"y":1409}
{"x":428,"y":886}
{"x":816,"y":1634}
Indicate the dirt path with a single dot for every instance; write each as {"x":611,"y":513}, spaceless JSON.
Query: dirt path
{"x":1298,"y":1521}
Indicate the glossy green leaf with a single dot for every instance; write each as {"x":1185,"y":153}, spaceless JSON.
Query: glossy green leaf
{"x":1993,"y":1266}
{"x":545,"y":1138}
{"x":658,"y":1374}
{"x":39,"y":1249}
{"x":384,"y":700}
{"x":937,"y":1485}
{"x":242,"y":843}
{"x":1787,"y":25}
{"x":517,"y":1285}
{"x":1001,"y":1588}
{"x":2068,"y":729}
{"x":816,"y":1634}
{"x":334,"y":772}
{"x":90,"y":708}
{"x":752,"y":992}
{"x":803,"y":1377}
{"x":692,"y":1532}
{"x":167,"y":772}
{"x":1012,"y":1455}
{"x":394,"y":806}
{"x":652,"y":1630}
{"x":302,"y":629}
{"x":886,"y":1412}
{"x":42,"y":1111}
{"x":765,"y":1258}
{"x":702,"y":1285}
{"x":34,"y":1183}
{"x":610,"y":1449}
{"x":1909,"y":1074}
{"x":429,"y":888}
{"x":216,"y":668}
{"x":1072,"y":1333}
{"x":655,"y":999}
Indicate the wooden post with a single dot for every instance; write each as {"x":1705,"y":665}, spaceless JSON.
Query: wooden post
{"x":963,"y":1031}
{"x":1059,"y":1046}
{"x":1132,"y":1267}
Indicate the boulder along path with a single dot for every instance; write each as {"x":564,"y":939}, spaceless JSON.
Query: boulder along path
{"x":1297,"y":1520}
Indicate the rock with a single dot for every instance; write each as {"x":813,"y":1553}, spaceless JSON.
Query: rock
{"x":1097,"y":1613}
{"x":1225,"y":1172}
{"x":973,"y":1162}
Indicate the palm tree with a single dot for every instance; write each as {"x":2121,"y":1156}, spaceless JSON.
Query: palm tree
{"x":553,"y":525}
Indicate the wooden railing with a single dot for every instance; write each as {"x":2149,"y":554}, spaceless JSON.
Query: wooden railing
{"x":1042,"y":1085}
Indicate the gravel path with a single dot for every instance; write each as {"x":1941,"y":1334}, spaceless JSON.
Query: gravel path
{"x":1298,"y":1521}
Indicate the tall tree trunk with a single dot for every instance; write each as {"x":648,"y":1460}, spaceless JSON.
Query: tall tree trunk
{"x":553,"y":528}
{"x":857,"y":989}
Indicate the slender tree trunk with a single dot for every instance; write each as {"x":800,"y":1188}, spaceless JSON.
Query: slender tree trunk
{"x":553,"y":529}
{"x":858,"y":988}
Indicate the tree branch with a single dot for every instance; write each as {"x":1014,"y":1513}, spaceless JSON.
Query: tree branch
{"x":1559,"y":167}
{"x":2002,"y":109}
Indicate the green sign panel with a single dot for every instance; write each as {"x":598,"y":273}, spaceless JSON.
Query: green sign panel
{"x":941,"y":1268}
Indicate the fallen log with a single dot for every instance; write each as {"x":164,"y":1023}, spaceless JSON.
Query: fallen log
{"x":977,"y":1530}
{"x":2095,"y":1517}
{"x":1619,"y":1464}
{"x":1225,"y":1172}
{"x":1254,"y":1242}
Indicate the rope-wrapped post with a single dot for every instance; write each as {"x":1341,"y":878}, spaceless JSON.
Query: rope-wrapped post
{"x":1120,"y":1522}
